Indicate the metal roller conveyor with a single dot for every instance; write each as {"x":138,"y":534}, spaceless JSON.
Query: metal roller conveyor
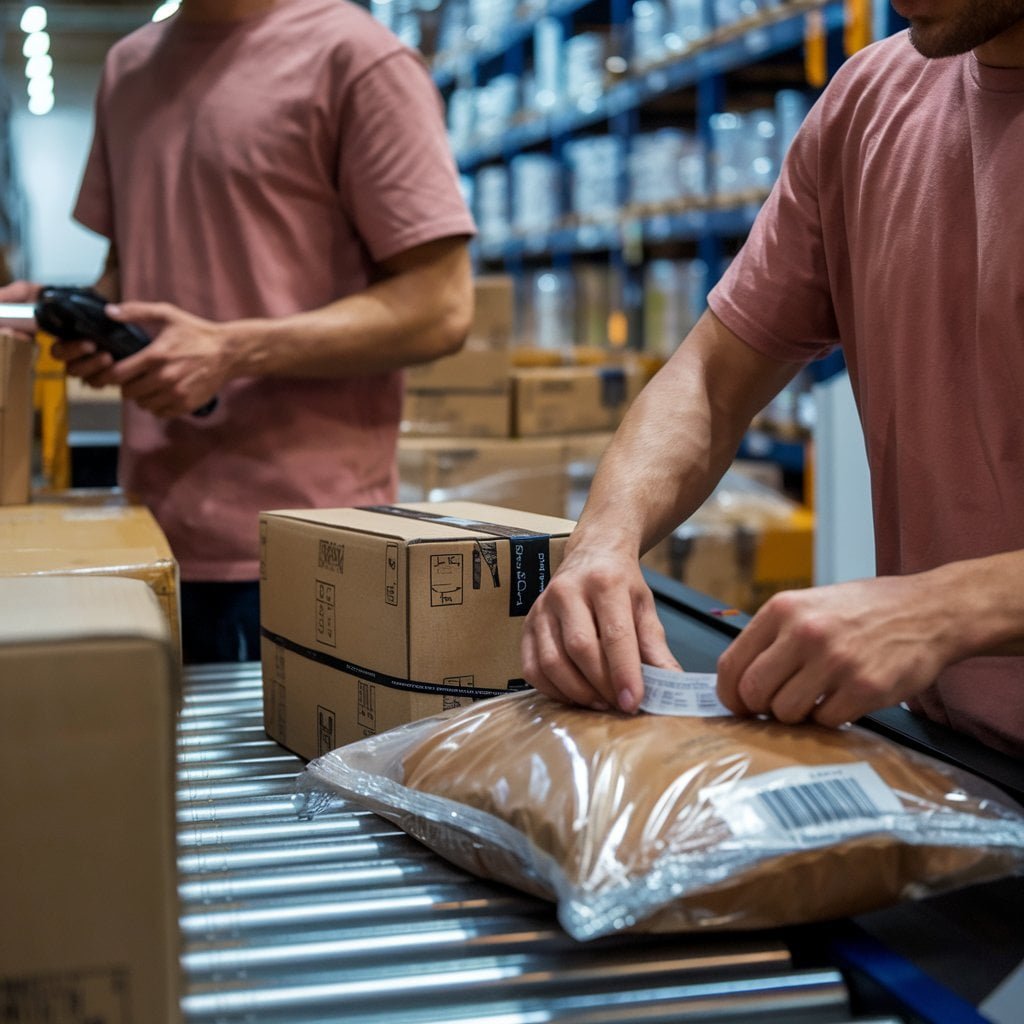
{"x":346,"y":918}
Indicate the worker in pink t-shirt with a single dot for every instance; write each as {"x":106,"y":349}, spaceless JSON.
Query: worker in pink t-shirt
{"x":285,"y":218}
{"x":895,"y":232}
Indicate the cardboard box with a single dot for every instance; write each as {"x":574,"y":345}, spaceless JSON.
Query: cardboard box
{"x":570,"y":399}
{"x":91,"y":538}
{"x":494,"y":309}
{"x":456,"y":413}
{"x":522,"y":473}
{"x":469,"y":369}
{"x":373,"y":617}
{"x":17,"y":358}
{"x":741,"y":564}
{"x":713,"y":560}
{"x":89,"y":685}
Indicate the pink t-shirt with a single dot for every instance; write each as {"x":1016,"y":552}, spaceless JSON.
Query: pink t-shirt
{"x":896,"y":228}
{"x":262,"y":168}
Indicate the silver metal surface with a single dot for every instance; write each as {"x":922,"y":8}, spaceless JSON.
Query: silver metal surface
{"x":345,"y":918}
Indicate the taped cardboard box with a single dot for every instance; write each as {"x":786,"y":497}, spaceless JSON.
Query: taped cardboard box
{"x":98,"y":536}
{"x":570,"y":399}
{"x":17,"y":358}
{"x":523,"y":473}
{"x":89,"y":685}
{"x":373,"y":617}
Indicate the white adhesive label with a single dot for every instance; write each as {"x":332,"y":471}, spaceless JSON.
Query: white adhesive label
{"x":827,"y":799}
{"x":684,"y":694}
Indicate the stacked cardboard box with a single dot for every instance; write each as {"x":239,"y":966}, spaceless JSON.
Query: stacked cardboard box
{"x":527,"y":473}
{"x":479,"y":426}
{"x":90,"y":687}
{"x":373,"y":617}
{"x":468,"y":394}
{"x":747,"y":542}
{"x":16,"y":363}
{"x":572,"y":399}
{"x":91,"y":534}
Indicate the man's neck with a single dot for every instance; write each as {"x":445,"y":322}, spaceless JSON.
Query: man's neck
{"x":223,"y":10}
{"x":1006,"y":50}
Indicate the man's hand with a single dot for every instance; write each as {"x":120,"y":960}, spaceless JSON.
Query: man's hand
{"x":181,"y":369}
{"x":833,"y":653}
{"x":585,"y":638}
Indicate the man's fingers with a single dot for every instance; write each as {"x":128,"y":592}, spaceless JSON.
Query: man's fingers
{"x":139,"y":311}
{"x":620,"y":648}
{"x":650,"y":632}
{"x":797,"y":698}
{"x":551,"y":672}
{"x":734,"y":666}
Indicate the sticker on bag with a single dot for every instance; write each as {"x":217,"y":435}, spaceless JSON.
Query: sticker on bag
{"x":823,"y":800}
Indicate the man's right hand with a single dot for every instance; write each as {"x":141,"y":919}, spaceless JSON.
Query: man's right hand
{"x":591,"y":629}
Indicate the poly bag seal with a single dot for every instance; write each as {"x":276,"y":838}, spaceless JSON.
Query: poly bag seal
{"x":653,"y":823}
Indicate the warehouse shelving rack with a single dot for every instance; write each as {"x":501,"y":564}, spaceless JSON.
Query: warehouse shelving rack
{"x":706,"y":229}
{"x":701,"y":68}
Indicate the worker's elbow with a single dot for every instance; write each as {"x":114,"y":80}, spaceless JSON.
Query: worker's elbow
{"x":454,"y":333}
{"x":453,"y":324}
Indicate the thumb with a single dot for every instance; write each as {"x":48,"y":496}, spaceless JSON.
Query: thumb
{"x":654,"y":649}
{"x":160,"y":312}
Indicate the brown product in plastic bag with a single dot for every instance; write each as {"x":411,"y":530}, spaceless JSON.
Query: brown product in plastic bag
{"x":671,"y":824}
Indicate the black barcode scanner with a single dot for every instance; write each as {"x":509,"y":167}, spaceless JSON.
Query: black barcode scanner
{"x":73,"y":314}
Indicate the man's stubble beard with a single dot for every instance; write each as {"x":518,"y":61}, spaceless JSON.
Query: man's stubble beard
{"x":975,"y":25}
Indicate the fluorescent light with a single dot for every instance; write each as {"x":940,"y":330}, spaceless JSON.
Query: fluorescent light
{"x":40,"y":86}
{"x":39,"y":66}
{"x":40,"y":105}
{"x":165,"y":10}
{"x":34,"y":19}
{"x":36,"y":44}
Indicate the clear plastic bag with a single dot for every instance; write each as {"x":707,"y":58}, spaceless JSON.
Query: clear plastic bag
{"x":653,"y":823}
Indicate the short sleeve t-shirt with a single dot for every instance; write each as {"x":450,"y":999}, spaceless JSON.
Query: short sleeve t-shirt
{"x":259,"y":168}
{"x":895,"y":230}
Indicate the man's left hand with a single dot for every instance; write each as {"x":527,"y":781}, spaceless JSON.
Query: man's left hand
{"x":181,"y":369}
{"x":833,"y":653}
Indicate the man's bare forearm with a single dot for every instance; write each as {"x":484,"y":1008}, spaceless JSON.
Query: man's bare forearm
{"x":678,"y":438}
{"x":419,"y":313}
{"x":986,"y":597}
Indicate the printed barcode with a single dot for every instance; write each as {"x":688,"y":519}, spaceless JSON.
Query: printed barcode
{"x":818,"y":803}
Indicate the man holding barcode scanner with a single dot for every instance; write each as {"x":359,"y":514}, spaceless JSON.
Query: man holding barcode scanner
{"x":893,"y":232}
{"x":286,"y":224}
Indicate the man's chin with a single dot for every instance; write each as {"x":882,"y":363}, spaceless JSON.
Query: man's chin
{"x":930,"y":43}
